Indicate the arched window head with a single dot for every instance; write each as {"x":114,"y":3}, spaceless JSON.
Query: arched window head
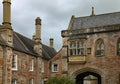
{"x":118,"y":47}
{"x":99,"y":48}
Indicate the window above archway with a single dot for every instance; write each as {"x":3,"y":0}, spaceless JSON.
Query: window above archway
{"x":76,"y":47}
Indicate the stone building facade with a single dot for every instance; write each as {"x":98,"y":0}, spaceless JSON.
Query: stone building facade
{"x":22,"y":60}
{"x":91,"y":47}
{"x":90,"y":53}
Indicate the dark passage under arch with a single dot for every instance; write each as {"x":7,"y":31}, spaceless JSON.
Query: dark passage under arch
{"x":91,"y":77}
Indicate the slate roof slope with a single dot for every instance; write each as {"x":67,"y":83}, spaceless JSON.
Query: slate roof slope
{"x":96,"y":21}
{"x":2,"y":42}
{"x":26,"y":45}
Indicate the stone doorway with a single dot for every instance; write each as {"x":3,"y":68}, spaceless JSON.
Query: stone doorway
{"x":88,"y":78}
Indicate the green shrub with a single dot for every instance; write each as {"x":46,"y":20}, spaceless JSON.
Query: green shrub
{"x":60,"y":80}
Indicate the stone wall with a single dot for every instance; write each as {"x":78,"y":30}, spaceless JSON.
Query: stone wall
{"x":1,"y":65}
{"x":23,"y":74}
{"x":108,"y":66}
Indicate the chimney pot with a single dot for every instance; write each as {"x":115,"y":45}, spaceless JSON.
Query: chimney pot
{"x":38,"y":21}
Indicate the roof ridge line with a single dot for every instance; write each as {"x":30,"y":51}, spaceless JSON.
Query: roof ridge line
{"x":97,"y":15}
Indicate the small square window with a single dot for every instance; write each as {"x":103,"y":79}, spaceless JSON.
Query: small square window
{"x":55,"y":68}
{"x":88,"y":50}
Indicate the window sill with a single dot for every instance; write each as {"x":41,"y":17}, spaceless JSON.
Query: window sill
{"x":31,"y":70}
{"x":78,"y":55}
{"x":54,"y":71}
{"x":14,"y":69}
{"x":99,"y":55}
{"x":42,"y":71}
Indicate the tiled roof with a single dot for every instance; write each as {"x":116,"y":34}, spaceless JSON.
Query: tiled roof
{"x":26,"y":45}
{"x":96,"y":21}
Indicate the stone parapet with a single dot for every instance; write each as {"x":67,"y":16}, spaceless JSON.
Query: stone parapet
{"x":84,"y":31}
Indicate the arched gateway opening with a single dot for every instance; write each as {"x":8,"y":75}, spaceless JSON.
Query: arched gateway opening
{"x":88,"y":78}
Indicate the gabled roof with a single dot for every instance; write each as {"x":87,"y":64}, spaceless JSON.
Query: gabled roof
{"x":24,"y":44}
{"x":95,"y":21}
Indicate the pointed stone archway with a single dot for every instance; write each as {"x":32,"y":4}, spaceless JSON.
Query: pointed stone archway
{"x":84,"y":75}
{"x":88,"y":78}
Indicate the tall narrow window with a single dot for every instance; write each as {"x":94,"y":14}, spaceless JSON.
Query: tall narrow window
{"x":13,"y":81}
{"x":118,"y":47}
{"x":14,"y":62}
{"x":81,"y":48}
{"x":31,"y":65}
{"x":42,"y":66}
{"x":73,"y":48}
{"x":99,"y":48}
{"x":31,"y":81}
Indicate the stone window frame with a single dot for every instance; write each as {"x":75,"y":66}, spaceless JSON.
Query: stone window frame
{"x":55,"y":67}
{"x":14,"y":81}
{"x":15,"y":62}
{"x":31,"y":66}
{"x":77,"y":47}
{"x":118,"y":46}
{"x":31,"y":81}
{"x":100,"y":47}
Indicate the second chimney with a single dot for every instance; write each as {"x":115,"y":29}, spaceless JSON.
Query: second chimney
{"x":51,"y":42}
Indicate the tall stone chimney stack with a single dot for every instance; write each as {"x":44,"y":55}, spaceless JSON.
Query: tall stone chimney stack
{"x":38,"y":46}
{"x":38,"y":28}
{"x":51,"y":42}
{"x":37,"y":36}
{"x":7,"y":13}
{"x":7,"y":34}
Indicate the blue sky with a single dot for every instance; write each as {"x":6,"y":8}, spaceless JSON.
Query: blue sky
{"x":55,"y":15}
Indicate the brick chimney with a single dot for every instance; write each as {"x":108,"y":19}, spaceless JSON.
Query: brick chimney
{"x":37,"y":37}
{"x":51,"y":42}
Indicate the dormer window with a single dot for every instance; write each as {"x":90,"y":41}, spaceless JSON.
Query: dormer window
{"x":99,"y":48}
{"x":77,"y":47}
